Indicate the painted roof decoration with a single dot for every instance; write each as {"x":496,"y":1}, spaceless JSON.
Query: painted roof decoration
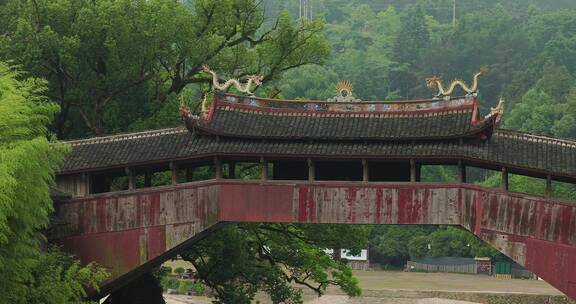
{"x":344,"y":93}
{"x":445,"y":127}
{"x":436,"y":82}
{"x":345,"y":117}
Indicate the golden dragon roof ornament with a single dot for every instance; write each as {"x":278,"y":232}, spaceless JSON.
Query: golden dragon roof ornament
{"x":436,"y":82}
{"x":246,"y":89}
{"x":344,"y":92}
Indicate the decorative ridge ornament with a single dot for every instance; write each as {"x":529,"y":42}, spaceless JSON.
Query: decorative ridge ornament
{"x":252,"y":79}
{"x":436,"y":82}
{"x":498,"y":110}
{"x":344,"y":92}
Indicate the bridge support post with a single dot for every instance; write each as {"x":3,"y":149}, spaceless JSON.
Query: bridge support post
{"x":365,"y":170}
{"x":218,"y":168}
{"x":174,"y":173}
{"x":311,"y":170}
{"x":549,"y":186}
{"x":264,"y":164}
{"x":232,"y":170}
{"x":504,"y":183}
{"x":461,"y":172}
{"x":413,"y":173}
{"x":147,"y":179}
{"x":131,"y":178}
{"x":85,"y":190}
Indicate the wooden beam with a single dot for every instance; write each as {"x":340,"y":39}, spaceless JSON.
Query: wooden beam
{"x":311,"y":170}
{"x":147,"y":178}
{"x":413,"y":171}
{"x":232,"y":170}
{"x":549,"y":186}
{"x":174,"y":171}
{"x":461,"y":172}
{"x":365,"y":170}
{"x":131,"y":178}
{"x":264,"y":164}
{"x":85,"y":188}
{"x":218,"y":168}
{"x":504,"y":183}
{"x":189,"y":174}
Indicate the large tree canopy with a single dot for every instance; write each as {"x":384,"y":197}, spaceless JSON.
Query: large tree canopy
{"x":112,"y":62}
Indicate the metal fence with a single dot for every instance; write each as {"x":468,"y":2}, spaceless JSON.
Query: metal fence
{"x":466,"y":268}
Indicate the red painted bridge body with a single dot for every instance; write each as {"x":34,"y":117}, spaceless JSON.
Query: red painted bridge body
{"x":132,"y":230}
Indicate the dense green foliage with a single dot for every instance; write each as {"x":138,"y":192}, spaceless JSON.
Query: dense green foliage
{"x":118,"y":65}
{"x":274,"y":257}
{"x":28,"y":161}
{"x":392,"y":246}
{"x":115,"y":66}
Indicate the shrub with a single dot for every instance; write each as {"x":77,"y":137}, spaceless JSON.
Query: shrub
{"x":179,"y":271}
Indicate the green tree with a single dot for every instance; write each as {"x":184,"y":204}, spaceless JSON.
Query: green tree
{"x":418,"y":246}
{"x":28,"y":161}
{"x":59,"y":278}
{"x":392,"y":243}
{"x":110,"y":63}
{"x":272,"y":257}
{"x":412,"y":39}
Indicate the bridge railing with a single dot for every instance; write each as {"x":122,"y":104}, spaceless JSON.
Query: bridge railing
{"x":313,"y":170}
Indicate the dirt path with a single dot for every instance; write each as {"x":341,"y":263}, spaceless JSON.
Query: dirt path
{"x":328,"y":299}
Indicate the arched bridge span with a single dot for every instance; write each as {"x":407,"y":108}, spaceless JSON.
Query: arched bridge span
{"x":130,"y":231}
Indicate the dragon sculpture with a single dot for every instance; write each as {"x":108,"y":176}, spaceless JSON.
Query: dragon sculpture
{"x":252,"y":79}
{"x":436,"y":82}
{"x":498,"y":110}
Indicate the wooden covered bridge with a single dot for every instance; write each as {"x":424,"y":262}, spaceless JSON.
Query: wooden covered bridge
{"x":137,"y":199}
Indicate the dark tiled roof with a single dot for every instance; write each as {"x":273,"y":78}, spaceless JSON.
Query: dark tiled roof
{"x":248,"y":117}
{"x":513,"y":149}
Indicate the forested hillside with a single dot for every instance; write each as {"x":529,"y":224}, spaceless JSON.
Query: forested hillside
{"x":388,"y":48}
{"x":116,"y":66}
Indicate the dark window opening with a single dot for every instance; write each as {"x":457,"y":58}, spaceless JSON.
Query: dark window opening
{"x":389,"y":172}
{"x":248,"y":171}
{"x":338,"y":171}
{"x":109,"y":181}
{"x":288,"y":170}
{"x":195,"y":172}
{"x":153,"y":178}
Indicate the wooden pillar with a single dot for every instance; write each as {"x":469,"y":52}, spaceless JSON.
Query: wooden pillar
{"x":85,"y":186}
{"x":218,"y":168}
{"x":264,"y":165}
{"x":131,"y":178}
{"x":147,"y":178}
{"x":461,"y":172}
{"x":311,"y":170}
{"x":232,"y":170}
{"x":413,"y":172}
{"x":190,"y":174}
{"x":365,"y":170}
{"x":549,"y":186}
{"x":174,"y":171}
{"x":504,"y":183}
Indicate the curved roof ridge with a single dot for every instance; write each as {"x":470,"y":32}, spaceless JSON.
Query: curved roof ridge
{"x":125,"y":136}
{"x":536,"y":137}
{"x":281,"y":100}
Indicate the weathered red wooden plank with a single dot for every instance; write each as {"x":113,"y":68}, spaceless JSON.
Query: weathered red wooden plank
{"x":126,"y":230}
